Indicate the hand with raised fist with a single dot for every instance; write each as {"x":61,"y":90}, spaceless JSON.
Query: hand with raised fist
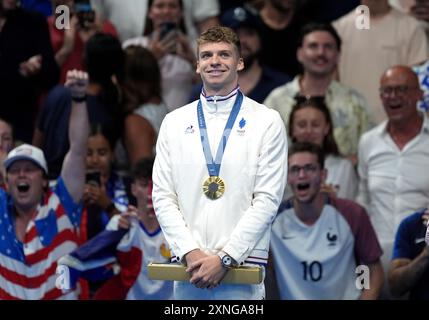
{"x":77,"y":81}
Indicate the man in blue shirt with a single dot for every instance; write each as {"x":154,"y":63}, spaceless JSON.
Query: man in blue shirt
{"x":409,"y":269}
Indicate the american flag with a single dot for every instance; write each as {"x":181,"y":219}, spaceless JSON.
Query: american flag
{"x":121,"y":255}
{"x":28,"y":268}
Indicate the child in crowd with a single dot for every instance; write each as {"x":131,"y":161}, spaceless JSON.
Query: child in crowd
{"x":131,"y":241}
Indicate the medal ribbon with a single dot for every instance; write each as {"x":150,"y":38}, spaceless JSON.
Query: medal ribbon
{"x":214,"y":166}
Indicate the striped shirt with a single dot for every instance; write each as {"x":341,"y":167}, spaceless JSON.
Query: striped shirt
{"x":27,"y":269}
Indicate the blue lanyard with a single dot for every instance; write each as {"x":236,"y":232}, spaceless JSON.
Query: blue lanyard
{"x":214,"y":166}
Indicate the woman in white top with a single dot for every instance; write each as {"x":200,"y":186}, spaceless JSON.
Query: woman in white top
{"x":144,"y":105}
{"x":310,"y":121}
{"x":165,"y":36}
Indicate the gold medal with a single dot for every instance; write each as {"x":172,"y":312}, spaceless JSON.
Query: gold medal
{"x":214,"y":187}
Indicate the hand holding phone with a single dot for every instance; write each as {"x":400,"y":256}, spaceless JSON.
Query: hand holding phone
{"x":166,"y":28}
{"x":93,"y":177}
{"x":85,"y":14}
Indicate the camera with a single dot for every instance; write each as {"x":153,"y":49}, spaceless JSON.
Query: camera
{"x":93,"y":177}
{"x":85,"y":14}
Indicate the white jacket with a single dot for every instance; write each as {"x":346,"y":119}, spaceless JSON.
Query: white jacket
{"x":254,"y":169}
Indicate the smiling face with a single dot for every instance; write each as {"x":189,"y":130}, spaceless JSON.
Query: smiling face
{"x":309,"y":125}
{"x":305,"y":176}
{"x":25,"y":183}
{"x":399,"y":93}
{"x":319,"y":53}
{"x":162,"y":11}
{"x":218,"y":64}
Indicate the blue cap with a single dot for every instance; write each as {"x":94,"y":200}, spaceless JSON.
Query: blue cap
{"x":239,"y":17}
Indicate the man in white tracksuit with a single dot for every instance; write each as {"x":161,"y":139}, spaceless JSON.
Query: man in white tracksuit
{"x":217,"y":213}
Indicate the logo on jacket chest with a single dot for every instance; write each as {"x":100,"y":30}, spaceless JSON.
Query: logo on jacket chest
{"x":332,"y":238}
{"x":190,"y":129}
{"x":241,"y":131}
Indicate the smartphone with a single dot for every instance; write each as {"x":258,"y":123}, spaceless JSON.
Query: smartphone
{"x":85,"y":14}
{"x":93,"y":177}
{"x":166,"y":28}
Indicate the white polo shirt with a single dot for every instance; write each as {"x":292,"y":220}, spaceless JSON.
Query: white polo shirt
{"x":393,"y":182}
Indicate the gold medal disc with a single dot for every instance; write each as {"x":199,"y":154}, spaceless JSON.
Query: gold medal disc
{"x":213,"y":187}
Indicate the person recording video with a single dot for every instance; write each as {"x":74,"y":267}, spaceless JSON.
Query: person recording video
{"x":105,"y":193}
{"x":166,"y":37}
{"x":69,"y":40}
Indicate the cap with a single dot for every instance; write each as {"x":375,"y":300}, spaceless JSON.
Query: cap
{"x":26,"y":152}
{"x":239,"y":17}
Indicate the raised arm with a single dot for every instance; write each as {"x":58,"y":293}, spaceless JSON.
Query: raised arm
{"x":405,"y":273}
{"x":406,"y":270}
{"x":73,"y":170}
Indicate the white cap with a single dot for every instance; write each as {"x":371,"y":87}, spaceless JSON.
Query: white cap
{"x":26,"y":152}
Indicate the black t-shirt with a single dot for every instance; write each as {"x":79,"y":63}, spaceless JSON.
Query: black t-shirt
{"x":24,"y":35}
{"x":278,"y":47}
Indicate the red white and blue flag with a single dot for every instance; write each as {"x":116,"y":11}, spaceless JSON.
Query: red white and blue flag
{"x":28,"y":268}
{"x":121,"y":256}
